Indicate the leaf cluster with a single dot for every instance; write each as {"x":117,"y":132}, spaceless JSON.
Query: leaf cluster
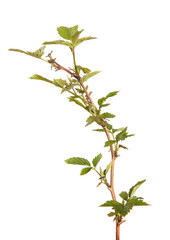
{"x":91,"y":166}
{"x":118,"y":135}
{"x":121,"y":209}
{"x":72,"y":34}
{"x":84,"y":162}
{"x":101,"y":119}
{"x":71,"y":86}
{"x":102,"y":100}
{"x":37,"y":54}
{"x":72,"y":39}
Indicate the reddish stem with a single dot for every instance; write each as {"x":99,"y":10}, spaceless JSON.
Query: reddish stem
{"x":117,"y":230}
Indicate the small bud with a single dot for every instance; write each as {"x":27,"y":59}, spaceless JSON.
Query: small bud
{"x":99,"y":184}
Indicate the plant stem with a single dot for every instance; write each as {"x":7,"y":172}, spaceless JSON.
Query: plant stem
{"x":74,"y":60}
{"x":112,"y":165}
{"x":77,"y":76}
{"x":117,"y":230}
{"x":113,"y":155}
{"x":96,"y":171}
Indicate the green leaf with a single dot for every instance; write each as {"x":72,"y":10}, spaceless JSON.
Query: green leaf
{"x":126,"y":209}
{"x":78,"y":161}
{"x":137,"y":202}
{"x":109,"y":126}
{"x":39,"y":77}
{"x":80,"y":40}
{"x":99,"y":130}
{"x":66,"y":32}
{"x":110,"y":203}
{"x":107,"y":115}
{"x":130,"y":135}
{"x":109,"y":143}
{"x":97,"y":159}
{"x":61,"y":42}
{"x":75,"y":36}
{"x":101,"y":101}
{"x":92,"y":108}
{"x":111,"y":214}
{"x":98,"y":185}
{"x":135,"y":187}
{"x":79,"y":90}
{"x":108,"y":167}
{"x":118,"y":207}
{"x":90,"y":120}
{"x":104,"y":105}
{"x":85,"y":170}
{"x":124,"y":195}
{"x":122,"y":209}
{"x":84,"y":69}
{"x":89,"y":75}
{"x":37,"y":54}
{"x":72,"y":99}
{"x":134,"y":197}
{"x":131,"y":203}
{"x":17,"y":50}
{"x":101,"y":172}
{"x":111,"y":94}
{"x":123,"y":135}
{"x":117,"y":130}
{"x":121,"y":146}
{"x":59,"y":82}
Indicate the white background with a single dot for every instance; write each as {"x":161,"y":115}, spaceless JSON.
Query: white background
{"x":40,"y":196}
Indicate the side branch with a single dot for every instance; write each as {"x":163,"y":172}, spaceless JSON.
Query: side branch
{"x":112,"y":165}
{"x":59,"y":67}
{"x":113,"y":156}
